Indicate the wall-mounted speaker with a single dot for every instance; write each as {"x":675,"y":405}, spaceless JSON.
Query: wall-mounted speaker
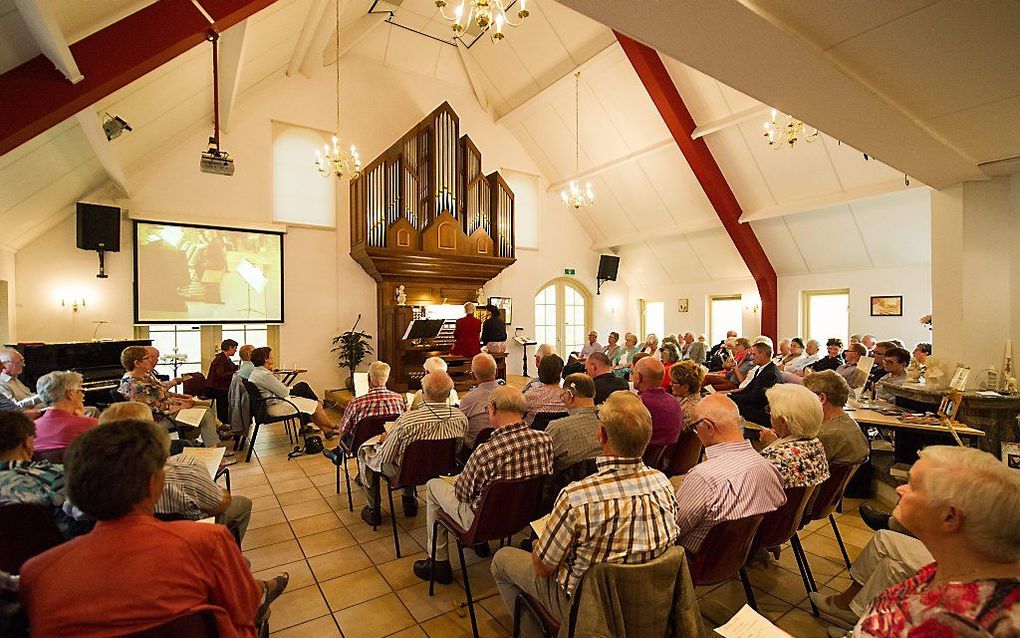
{"x":608,"y":267}
{"x":98,"y":227}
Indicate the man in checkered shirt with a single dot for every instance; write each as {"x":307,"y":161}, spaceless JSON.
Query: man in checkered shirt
{"x":624,"y":513}
{"x":378,"y":401}
{"x":513,"y":452}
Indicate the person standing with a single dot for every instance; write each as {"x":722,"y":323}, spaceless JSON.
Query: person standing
{"x":217,"y":382}
{"x":467,"y":333}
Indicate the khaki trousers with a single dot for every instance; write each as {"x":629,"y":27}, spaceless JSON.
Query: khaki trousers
{"x":439,"y":495}
{"x":513,"y":572}
{"x":889,"y":558}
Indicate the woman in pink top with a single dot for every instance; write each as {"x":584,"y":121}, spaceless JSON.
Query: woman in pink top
{"x":64,"y":419}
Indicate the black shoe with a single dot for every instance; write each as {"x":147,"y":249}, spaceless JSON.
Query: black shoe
{"x":873,"y":518}
{"x":444,"y":573}
{"x":371,"y":516}
{"x":526,"y":544}
{"x":482,"y":550}
{"x":330,"y":453}
{"x":410,"y":506}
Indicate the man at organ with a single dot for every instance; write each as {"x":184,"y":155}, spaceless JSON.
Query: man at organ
{"x":467,"y":333}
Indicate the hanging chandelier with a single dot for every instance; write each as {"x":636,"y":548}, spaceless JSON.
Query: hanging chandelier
{"x":785,"y":130}
{"x":334,"y":160}
{"x":484,"y":14}
{"x":575,"y":197}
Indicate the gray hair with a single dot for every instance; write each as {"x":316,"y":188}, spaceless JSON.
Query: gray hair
{"x":434,"y":364}
{"x":9,"y":354}
{"x":54,"y":386}
{"x":508,"y":399}
{"x":543,"y":350}
{"x":986,"y":490}
{"x":436,"y":386}
{"x":469,"y":308}
{"x":483,"y":366}
{"x":798,"y":407}
{"x":379,"y":371}
{"x":764,"y":339}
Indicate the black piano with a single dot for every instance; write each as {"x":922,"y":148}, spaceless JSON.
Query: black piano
{"x":98,"y":362}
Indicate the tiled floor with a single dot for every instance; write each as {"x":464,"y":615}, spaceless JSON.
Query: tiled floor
{"x":345,"y":579}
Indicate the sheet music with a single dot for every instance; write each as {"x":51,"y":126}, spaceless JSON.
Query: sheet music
{"x":360,"y":384}
{"x":539,"y":525}
{"x":305,"y":406}
{"x":190,"y":416}
{"x":747,"y":623}
{"x":866,"y":364}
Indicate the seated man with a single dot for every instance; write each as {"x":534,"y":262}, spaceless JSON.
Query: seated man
{"x":65,"y":417}
{"x":432,"y":364}
{"x":735,"y":368}
{"x":575,"y":362}
{"x":732,"y":482}
{"x":812,"y":354}
{"x":217,"y":382}
{"x":962,"y":571}
{"x":540,"y":353}
{"x":378,"y":401}
{"x":514,"y":452}
{"x":625,"y":513}
{"x":842,"y":438}
{"x":434,"y":420}
{"x":854,"y":376}
{"x":140,"y":572}
{"x":23,"y":480}
{"x":13,"y":390}
{"x":895,"y":363}
{"x":878,"y":369}
{"x":575,"y":437}
{"x":245,"y":369}
{"x":600,"y":369}
{"x":750,"y":397}
{"x":667,"y":419}
{"x":467,"y":333}
{"x":475,"y":403}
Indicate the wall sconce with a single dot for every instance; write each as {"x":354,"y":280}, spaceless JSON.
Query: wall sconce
{"x":75,"y":303}
{"x":753,"y":303}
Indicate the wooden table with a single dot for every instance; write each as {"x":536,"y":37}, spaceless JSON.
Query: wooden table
{"x":210,"y":457}
{"x":912,"y":436}
{"x":873,"y":417}
{"x":288,"y":377}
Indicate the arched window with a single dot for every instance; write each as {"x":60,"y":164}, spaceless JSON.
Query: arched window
{"x":562,"y":315}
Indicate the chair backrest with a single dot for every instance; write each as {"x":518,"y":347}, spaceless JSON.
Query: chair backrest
{"x":255,"y":400}
{"x":507,"y":507}
{"x":484,"y":435}
{"x":116,"y":396}
{"x":779,"y":526}
{"x":653,"y":454}
{"x":830,"y":493}
{"x":55,"y":455}
{"x":26,"y":529}
{"x":724,"y":551}
{"x":542,"y":419}
{"x":367,"y":428}
{"x":425,"y":460}
{"x":201,"y":624}
{"x":562,"y":478}
{"x":195,"y":384}
{"x":683,"y":455}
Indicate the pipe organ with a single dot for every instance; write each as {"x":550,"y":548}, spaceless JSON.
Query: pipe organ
{"x":425,"y":215}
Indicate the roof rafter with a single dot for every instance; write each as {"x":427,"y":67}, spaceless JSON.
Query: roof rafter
{"x":46,"y":31}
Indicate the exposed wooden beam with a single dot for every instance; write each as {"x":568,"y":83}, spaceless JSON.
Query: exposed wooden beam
{"x":834,"y":199}
{"x":474,"y":73}
{"x":353,"y":34}
{"x":733,"y":119}
{"x":46,"y":31}
{"x":611,"y":164}
{"x":92,"y":127}
{"x":562,"y":82}
{"x":664,"y":94}
{"x":232,"y":45}
{"x":34,"y":97}
{"x":313,"y":20}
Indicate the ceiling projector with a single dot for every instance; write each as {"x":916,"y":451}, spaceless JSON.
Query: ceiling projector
{"x":216,"y":161}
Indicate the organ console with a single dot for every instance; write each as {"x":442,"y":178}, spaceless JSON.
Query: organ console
{"x":98,"y":362}
{"x":425,"y":216}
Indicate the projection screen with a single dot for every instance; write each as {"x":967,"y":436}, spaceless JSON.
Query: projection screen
{"x":206,"y":274}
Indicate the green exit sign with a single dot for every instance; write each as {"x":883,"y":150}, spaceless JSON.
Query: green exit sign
{"x":568,"y":271}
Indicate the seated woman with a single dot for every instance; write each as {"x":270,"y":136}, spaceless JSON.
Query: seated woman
{"x":493,"y":331}
{"x":685,"y":381}
{"x":793,"y":446}
{"x":833,"y":357}
{"x":270,"y":386}
{"x":919,"y":362}
{"x":432,"y":364}
{"x":842,"y":438}
{"x":669,"y":354}
{"x":546,"y":397}
{"x":244,"y":370}
{"x":625,"y":355}
{"x":963,"y":569}
{"x":613,"y":346}
{"x":651,"y":345}
{"x":138,"y":384}
{"x":65,"y":419}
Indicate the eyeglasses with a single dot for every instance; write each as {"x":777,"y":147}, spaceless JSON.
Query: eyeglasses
{"x":694,"y":424}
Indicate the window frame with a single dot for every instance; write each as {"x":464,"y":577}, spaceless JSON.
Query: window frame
{"x":805,"y":311}
{"x":739,"y":298}
{"x":560,"y":284}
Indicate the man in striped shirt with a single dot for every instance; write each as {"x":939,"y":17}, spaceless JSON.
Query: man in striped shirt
{"x":624,"y":513}
{"x":732,"y":482}
{"x":434,"y":420}
{"x":189,"y":491}
{"x":514,"y":451}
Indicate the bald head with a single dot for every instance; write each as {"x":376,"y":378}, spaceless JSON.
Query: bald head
{"x":720,"y":420}
{"x":483,"y":367}
{"x":647,"y":373}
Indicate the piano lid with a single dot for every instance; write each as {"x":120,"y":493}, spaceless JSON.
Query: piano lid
{"x":93,"y":359}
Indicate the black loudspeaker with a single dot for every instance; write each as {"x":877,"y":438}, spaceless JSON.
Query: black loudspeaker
{"x":98,"y":227}
{"x":608,"y":265}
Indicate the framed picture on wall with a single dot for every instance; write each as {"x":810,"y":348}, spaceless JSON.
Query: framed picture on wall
{"x":887,"y":306}
{"x":682,"y":304}
{"x":505,"y":306}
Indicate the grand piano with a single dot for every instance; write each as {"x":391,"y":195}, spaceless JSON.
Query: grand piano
{"x":98,"y":362}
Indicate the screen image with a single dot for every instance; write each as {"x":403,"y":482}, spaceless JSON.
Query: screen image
{"x":204,"y":274}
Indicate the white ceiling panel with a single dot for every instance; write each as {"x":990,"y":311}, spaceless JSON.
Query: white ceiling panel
{"x":679,"y":259}
{"x":630,"y":186}
{"x":641,"y":265}
{"x":777,"y":241}
{"x":716,"y":248}
{"x":610,"y":213}
{"x":373,"y":45}
{"x":852,"y":169}
{"x":50,"y":201}
{"x":628,"y":105}
{"x":896,"y":228}
{"x":832,"y":21}
{"x":732,"y":153}
{"x":674,"y":182}
{"x":78,"y":18}
{"x":411,"y":51}
{"x":582,"y":36}
{"x":539,"y":49}
{"x":505,"y":71}
{"x":601,"y":142}
{"x":828,"y":239}
{"x":548,"y":129}
{"x":450,"y":69}
{"x":996,"y":135}
{"x":791,"y":173}
{"x":18,"y":44}
{"x":39,"y":169}
{"x":700,"y":92}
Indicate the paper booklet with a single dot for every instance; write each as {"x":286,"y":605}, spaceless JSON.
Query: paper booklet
{"x":305,"y":406}
{"x":190,"y":416}
{"x":539,"y":525}
{"x":865,"y":364}
{"x":747,"y":623}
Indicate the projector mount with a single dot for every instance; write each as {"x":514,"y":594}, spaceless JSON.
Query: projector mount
{"x":215,"y":160}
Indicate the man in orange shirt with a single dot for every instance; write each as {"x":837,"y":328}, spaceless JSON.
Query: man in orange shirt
{"x":134,"y":572}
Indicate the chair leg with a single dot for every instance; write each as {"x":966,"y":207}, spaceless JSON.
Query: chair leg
{"x":517,"y":618}
{"x":251,"y":444}
{"x":467,"y":589}
{"x":347,"y":477}
{"x":748,"y":592}
{"x":337,"y":462}
{"x":432,"y":556}
{"x":839,"y":539}
{"x":393,"y":520}
{"x":805,"y":570}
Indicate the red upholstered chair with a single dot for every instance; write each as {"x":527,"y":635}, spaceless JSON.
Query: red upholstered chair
{"x":200,"y":624}
{"x":348,"y":444}
{"x":507,"y":507}
{"x":542,"y":419}
{"x":550,"y":626}
{"x":683,"y":455}
{"x":422,"y":462}
{"x":724,"y":552}
{"x":26,"y":530}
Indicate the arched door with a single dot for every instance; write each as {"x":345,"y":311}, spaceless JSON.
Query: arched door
{"x":562,"y":315}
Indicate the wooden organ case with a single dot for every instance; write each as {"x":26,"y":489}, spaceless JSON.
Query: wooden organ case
{"x":425,"y":216}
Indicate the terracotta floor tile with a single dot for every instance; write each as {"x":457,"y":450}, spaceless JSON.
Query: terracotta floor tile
{"x":779,"y":582}
{"x":273,"y":555}
{"x":353,"y":589}
{"x":296,"y":607}
{"x":308,"y":508}
{"x":377,"y":617}
{"x":251,"y":491}
{"x":451,"y":625}
{"x":261,"y":536}
{"x":727,"y":599}
{"x":339,"y":563}
{"x":802,"y":624}
{"x":410,"y":632}
{"x":266,"y":517}
{"x":289,"y":485}
{"x":300,"y":575}
{"x":849,"y":533}
{"x":260,"y":503}
{"x":423,"y":607}
{"x":327,"y":541}
{"x":827,"y":547}
{"x":298,"y":496}
{"x":315,"y":524}
{"x":382,"y":550}
{"x":324,"y":627}
{"x":398,"y":573}
{"x":328,"y":478}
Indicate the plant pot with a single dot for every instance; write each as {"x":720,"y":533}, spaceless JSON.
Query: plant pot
{"x":349,"y":383}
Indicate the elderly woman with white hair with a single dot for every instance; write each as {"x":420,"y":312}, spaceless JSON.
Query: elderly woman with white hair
{"x":960,"y":576}
{"x":651,"y":345}
{"x":65,"y":419}
{"x":432,"y":364}
{"x":793,"y":445}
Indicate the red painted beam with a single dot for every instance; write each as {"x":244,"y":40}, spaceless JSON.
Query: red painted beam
{"x":35,"y":96}
{"x":662,"y":90}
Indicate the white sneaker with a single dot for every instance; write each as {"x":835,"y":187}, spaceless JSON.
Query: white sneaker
{"x":841,"y":615}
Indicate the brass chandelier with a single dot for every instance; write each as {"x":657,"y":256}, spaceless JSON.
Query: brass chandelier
{"x":335,"y":160}
{"x":785,"y":130}
{"x":574,"y":197}
{"x":484,"y":14}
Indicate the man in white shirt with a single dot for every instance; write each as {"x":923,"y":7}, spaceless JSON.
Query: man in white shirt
{"x":12,"y":387}
{"x":812,"y":353}
{"x":593,"y":345}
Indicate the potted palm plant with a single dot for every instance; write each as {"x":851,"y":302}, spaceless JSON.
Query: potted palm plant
{"x":351,"y":348}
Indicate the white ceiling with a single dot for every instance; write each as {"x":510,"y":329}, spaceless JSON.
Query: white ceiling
{"x":649,"y":203}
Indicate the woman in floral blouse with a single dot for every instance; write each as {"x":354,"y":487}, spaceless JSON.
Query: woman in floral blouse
{"x":686,"y":378}
{"x":794,"y":447}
